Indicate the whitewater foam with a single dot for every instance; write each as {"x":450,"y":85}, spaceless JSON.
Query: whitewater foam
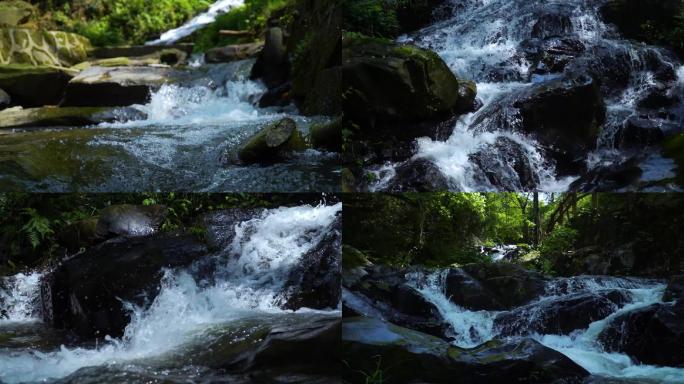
{"x":20,"y":298}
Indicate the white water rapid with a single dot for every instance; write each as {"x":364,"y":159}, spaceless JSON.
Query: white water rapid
{"x":472,"y":328}
{"x":247,"y":284}
{"x":197,"y":22}
{"x":484,"y":40}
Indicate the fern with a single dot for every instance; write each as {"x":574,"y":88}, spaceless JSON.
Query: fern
{"x":37,"y":228}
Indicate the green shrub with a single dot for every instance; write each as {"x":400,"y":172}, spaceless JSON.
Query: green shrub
{"x":559,"y":241}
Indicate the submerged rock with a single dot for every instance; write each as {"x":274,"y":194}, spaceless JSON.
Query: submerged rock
{"x":233,"y":53}
{"x":386,"y":82}
{"x":272,"y":143}
{"x":21,"y":82}
{"x":61,"y":117}
{"x":86,"y":292}
{"x":116,"y":86}
{"x":651,"y":335}
{"x":371,"y":344}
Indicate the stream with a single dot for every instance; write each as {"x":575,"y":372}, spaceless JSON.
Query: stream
{"x":472,"y":328}
{"x":199,"y":312}
{"x":485,"y":40}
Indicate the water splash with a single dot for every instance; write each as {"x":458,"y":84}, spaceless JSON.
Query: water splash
{"x":20,"y":298}
{"x":198,"y":22}
{"x":248,"y":282}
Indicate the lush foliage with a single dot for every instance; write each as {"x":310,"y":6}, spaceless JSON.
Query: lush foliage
{"x":252,"y":17}
{"x":120,"y":21}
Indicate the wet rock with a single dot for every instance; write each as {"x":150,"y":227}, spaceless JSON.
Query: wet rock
{"x":419,"y":175}
{"x":553,"y":55}
{"x":130,"y":220}
{"x":80,"y":234}
{"x":613,"y":65}
{"x":560,"y":316}
{"x":21,"y":82}
{"x":220,"y":226}
{"x":553,"y":22}
{"x":382,"y":292}
{"x":272,"y":143}
{"x":273,"y":65}
{"x":58,"y":117}
{"x":116,"y":86}
{"x":386,"y":83}
{"x":316,"y":282}
{"x":233,"y":53}
{"x":436,"y":361}
{"x":327,"y":136}
{"x":511,"y":284}
{"x":658,"y":97}
{"x":608,"y":178}
{"x":5,"y":100}
{"x":467,"y":292}
{"x":86,"y":292}
{"x":651,"y":335}
{"x":277,"y":97}
{"x":675,"y":289}
{"x":565,"y":115}
{"x":140,"y":50}
{"x":639,"y":132}
{"x":630,"y":16}
{"x":505,"y":166}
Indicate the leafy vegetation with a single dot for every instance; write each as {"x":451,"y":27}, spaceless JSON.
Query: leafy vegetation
{"x":252,"y":17}
{"x":119,"y":21}
{"x":442,"y":229}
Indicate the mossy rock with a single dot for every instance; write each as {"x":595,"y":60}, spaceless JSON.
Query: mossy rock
{"x":21,"y":81}
{"x":272,"y":143}
{"x":327,"y":136}
{"x":674,"y":149}
{"x":15,"y":12}
{"x":386,"y":82}
{"x":39,"y":47}
{"x":352,"y":257}
{"x":54,"y":116}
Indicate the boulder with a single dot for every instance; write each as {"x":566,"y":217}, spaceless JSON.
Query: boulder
{"x":38,"y":47}
{"x":116,"y":86}
{"x":140,"y":50}
{"x":80,"y":234}
{"x":675,"y":289}
{"x":273,"y":65}
{"x":272,"y":143}
{"x":316,"y":281}
{"x":387,"y":82}
{"x":220,"y":226}
{"x":511,"y":284}
{"x":327,"y":136}
{"x":383,"y":292}
{"x":651,"y":335}
{"x":554,"y":21}
{"x":560,"y":316}
{"x":62,"y":117}
{"x":5,"y":100}
{"x":130,"y":220}
{"x":467,"y":292}
{"x":369,"y":345}
{"x":505,"y":166}
{"x":638,"y":132}
{"x":233,"y":53}
{"x":609,"y":178}
{"x":15,"y":12}
{"x":85,"y":293}
{"x":419,"y":175}
{"x":565,"y":116}
{"x":21,"y":81}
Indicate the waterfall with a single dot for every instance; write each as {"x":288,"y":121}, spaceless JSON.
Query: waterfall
{"x":198,"y":22}
{"x":248,"y":281}
{"x":482,"y":41}
{"x":472,"y":328}
{"x":20,"y":298}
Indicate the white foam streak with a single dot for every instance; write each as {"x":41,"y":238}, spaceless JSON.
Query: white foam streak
{"x":199,"y":21}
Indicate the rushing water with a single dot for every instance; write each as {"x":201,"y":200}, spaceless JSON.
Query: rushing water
{"x":186,"y":143}
{"x":472,"y":328}
{"x":197,"y":22}
{"x":483,"y":40}
{"x":245,"y":292}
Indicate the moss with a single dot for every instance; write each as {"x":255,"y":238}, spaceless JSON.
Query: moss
{"x":352,"y":257}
